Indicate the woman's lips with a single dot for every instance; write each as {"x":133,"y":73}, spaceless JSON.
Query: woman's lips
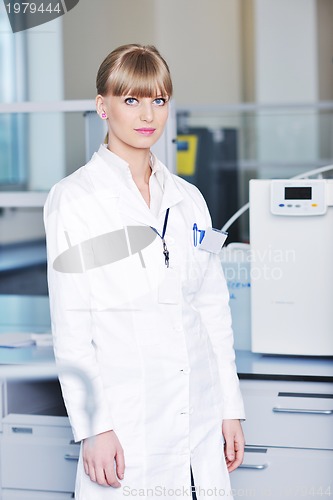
{"x":145,"y":131}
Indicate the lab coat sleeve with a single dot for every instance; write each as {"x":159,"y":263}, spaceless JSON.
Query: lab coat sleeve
{"x":212,"y":301}
{"x":71,"y":318}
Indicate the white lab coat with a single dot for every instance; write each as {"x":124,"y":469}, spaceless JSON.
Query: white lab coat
{"x":157,"y":347}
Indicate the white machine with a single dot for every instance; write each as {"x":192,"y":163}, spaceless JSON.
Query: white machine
{"x":291,"y":235}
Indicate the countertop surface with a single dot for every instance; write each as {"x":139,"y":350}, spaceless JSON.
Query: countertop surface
{"x":270,"y":367}
{"x":26,"y":355}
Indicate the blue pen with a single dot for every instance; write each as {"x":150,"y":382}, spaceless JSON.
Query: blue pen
{"x":195,"y":234}
{"x":202,"y":234}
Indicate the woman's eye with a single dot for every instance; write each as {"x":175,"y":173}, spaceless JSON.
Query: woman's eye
{"x":131,"y":101}
{"x":160,"y":101}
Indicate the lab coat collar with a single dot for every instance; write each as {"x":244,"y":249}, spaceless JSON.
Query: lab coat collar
{"x":110,"y":173}
{"x":116,"y":167}
{"x":171,"y":192}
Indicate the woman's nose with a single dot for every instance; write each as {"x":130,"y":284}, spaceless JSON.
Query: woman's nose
{"x":147,"y":113}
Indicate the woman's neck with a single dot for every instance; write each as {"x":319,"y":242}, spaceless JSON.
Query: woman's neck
{"x":140,"y":169}
{"x":139,"y":164}
{"x":138,"y":161}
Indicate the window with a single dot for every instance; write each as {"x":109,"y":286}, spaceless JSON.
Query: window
{"x":12,"y":88}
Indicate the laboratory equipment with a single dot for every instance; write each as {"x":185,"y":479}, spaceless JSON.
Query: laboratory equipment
{"x":291,"y":239}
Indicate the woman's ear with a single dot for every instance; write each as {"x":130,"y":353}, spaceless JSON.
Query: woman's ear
{"x":100,"y":107}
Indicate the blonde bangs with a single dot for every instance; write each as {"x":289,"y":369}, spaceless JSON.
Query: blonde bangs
{"x":141,"y":73}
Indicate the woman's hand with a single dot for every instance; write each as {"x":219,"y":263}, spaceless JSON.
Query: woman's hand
{"x":99,"y":454}
{"x":234,"y":443}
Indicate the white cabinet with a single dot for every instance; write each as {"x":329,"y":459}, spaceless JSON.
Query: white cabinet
{"x":38,"y":453}
{"x":38,"y":456}
{"x":289,"y":440}
{"x":278,"y":473}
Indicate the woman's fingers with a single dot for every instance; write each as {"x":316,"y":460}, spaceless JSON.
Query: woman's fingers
{"x":103,"y":459}
{"x":234,"y":443}
{"x":120,"y":463}
{"x":100,"y":476}
{"x":111,"y":477}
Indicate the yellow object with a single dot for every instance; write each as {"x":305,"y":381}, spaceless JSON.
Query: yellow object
{"x":186,"y":154}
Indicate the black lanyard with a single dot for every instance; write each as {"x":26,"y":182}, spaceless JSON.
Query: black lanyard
{"x":165,"y":249}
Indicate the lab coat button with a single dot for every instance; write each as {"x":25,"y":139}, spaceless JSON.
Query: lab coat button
{"x":185,"y":370}
{"x":187,"y":411}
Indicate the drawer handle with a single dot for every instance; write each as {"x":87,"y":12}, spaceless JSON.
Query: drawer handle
{"x":22,"y":430}
{"x":301,"y":410}
{"x":254,"y":467}
{"x":71,"y":458}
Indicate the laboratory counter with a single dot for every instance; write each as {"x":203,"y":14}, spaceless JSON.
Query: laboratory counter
{"x":294,"y":368}
{"x":26,"y":355}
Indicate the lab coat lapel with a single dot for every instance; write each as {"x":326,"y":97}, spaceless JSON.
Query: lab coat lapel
{"x":119,"y":183}
{"x":171,"y":195}
{"x":133,"y":205}
{"x":116,"y":182}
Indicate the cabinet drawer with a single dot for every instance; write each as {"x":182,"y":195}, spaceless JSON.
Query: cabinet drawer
{"x":39,"y":425}
{"x":38,"y":457}
{"x":277,"y":473}
{"x":40,"y":465}
{"x":293,"y":414}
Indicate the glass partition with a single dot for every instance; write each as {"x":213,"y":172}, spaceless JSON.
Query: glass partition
{"x":13,"y":88}
{"x":50,"y":146}
{"x":23,"y":276}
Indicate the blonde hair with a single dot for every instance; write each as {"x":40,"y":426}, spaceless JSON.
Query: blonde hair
{"x":134,"y":69}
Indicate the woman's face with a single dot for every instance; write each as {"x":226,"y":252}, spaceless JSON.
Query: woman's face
{"x":133,"y":122}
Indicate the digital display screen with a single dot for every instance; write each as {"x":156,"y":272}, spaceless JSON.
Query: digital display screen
{"x":298,"y":193}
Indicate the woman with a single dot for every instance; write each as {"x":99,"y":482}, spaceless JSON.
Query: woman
{"x":141,"y":309}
